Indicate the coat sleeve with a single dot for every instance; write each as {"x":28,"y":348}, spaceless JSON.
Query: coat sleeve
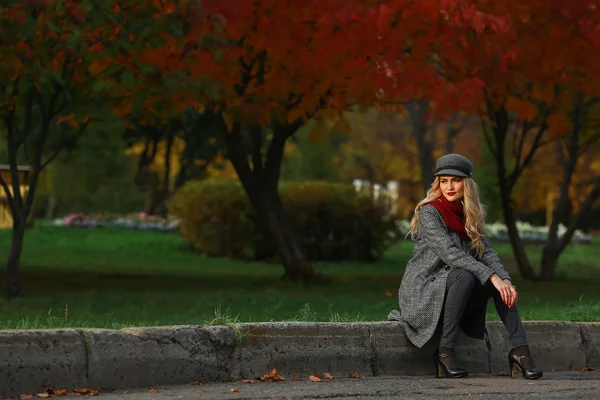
{"x":433,"y":230}
{"x":491,"y":259}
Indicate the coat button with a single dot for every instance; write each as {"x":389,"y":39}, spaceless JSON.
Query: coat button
{"x":447,"y":268}
{"x":432,"y":278}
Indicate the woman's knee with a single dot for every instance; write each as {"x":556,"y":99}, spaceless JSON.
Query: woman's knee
{"x":463,"y":276}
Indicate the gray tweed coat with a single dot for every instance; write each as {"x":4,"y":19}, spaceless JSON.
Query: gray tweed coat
{"x":437,"y":251}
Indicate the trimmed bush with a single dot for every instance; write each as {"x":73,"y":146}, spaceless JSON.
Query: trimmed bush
{"x":332,"y":221}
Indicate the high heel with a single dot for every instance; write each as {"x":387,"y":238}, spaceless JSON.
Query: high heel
{"x":523,"y":363}
{"x":444,"y":366}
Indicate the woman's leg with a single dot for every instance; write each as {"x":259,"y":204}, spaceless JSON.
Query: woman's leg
{"x":459,"y":286}
{"x":511,"y":319}
{"x":520,"y":354}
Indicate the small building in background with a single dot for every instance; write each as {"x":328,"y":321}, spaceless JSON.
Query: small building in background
{"x":6,"y":219}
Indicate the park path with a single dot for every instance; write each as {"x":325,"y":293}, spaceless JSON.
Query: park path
{"x":554,"y":385}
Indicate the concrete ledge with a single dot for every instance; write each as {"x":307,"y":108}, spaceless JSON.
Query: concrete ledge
{"x":590,"y":339}
{"x":143,"y":357}
{"x":555,"y":346}
{"x":304,"y":348}
{"x":31,"y":360}
{"x":396,"y":355}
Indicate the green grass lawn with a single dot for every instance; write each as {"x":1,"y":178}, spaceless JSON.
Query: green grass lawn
{"x":116,"y":278}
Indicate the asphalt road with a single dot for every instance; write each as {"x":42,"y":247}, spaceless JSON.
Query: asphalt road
{"x":554,"y":385}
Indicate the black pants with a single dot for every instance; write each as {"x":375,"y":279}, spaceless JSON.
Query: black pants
{"x":463,"y":289}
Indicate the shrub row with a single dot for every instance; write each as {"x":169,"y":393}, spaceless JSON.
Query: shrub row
{"x":332,"y":221}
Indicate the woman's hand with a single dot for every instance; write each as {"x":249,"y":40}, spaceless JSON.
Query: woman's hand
{"x":507,"y":290}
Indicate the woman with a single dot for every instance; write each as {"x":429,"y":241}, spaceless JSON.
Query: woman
{"x":454,"y":271}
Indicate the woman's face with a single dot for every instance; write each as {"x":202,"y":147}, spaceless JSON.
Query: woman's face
{"x":452,"y":187}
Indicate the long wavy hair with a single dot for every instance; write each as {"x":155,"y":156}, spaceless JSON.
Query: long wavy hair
{"x":474,"y":212}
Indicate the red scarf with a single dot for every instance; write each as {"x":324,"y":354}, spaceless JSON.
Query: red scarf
{"x":454,"y":215}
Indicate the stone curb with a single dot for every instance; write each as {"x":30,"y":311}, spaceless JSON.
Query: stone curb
{"x":32,"y":360}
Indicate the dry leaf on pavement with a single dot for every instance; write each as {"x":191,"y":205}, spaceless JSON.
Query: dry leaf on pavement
{"x":152,"y":390}
{"x":234,"y":390}
{"x":248,"y":381}
{"x":314,"y":378}
{"x":586,"y":369}
{"x":327,"y":375}
{"x":272,"y":376}
{"x":296,"y":379}
{"x":499,"y":373}
{"x":26,"y":396}
{"x":356,"y":375}
{"x":84,"y":391}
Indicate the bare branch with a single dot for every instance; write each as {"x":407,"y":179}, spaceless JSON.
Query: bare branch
{"x":9,"y":196}
{"x":583,"y":211}
{"x":67,"y":142}
{"x":589,"y":142}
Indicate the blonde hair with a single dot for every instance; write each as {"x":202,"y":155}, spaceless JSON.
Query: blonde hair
{"x":474,"y":212}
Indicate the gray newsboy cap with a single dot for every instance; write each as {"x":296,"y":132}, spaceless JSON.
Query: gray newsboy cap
{"x":454,"y":165}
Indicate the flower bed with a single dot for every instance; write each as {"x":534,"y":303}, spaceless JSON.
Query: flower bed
{"x":139,"y":221}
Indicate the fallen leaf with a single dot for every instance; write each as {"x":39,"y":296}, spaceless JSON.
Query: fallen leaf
{"x":499,"y":373}
{"x":388,"y":293}
{"x":296,"y":379}
{"x":42,"y":395}
{"x":314,"y":378}
{"x":198,"y":383}
{"x":152,"y":390}
{"x":272,"y":376}
{"x":248,"y":381}
{"x":26,"y":396}
{"x":586,"y":369}
{"x":234,"y":390}
{"x":570,"y":368}
{"x":57,"y":392}
{"x":327,"y":375}
{"x":398,"y":377}
{"x":356,"y":375}
{"x":83,"y":391}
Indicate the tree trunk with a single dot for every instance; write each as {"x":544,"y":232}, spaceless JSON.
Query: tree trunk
{"x":553,"y":249}
{"x":20,"y":208}
{"x":260,"y":184}
{"x":417,"y":110}
{"x":13,"y":286}
{"x":51,"y":207}
{"x":550,"y":255}
{"x":500,"y":134}
{"x":523,"y":263}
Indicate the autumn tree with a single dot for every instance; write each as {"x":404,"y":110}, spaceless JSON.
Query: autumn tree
{"x":277,"y":65}
{"x":583,"y":138}
{"x":288,"y":62}
{"x":58,"y":69}
{"x":527,"y":61}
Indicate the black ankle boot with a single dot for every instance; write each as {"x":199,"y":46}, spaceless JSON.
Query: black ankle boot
{"x":521,"y":357}
{"x":445,"y":363}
